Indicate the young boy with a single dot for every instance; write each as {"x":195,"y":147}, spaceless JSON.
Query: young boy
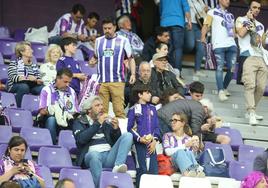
{"x":143,"y":124}
{"x":197,"y":90}
{"x":69,"y":46}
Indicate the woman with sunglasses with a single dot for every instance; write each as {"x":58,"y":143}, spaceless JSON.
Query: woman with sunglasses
{"x":181,"y":147}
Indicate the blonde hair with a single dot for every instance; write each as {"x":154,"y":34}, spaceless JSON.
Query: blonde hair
{"x":49,"y":50}
{"x":20,"y":47}
{"x":208,"y":104}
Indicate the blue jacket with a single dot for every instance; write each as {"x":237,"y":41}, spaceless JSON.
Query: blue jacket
{"x":83,"y":133}
{"x":146,"y":121}
{"x":172,"y":12}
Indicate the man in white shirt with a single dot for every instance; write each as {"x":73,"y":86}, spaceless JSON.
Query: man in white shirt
{"x":252,"y":68}
{"x":221,"y":23}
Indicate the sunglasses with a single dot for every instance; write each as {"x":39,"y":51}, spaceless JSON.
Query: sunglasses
{"x":175,"y":120}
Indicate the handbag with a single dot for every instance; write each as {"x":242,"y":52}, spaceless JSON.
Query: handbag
{"x":211,"y":63}
{"x":39,"y":35}
{"x":199,"y":16}
{"x":213,"y":162}
{"x":165,"y":165}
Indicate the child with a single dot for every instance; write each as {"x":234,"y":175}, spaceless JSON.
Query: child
{"x":143,"y":124}
{"x":181,"y":147}
{"x":67,"y":61}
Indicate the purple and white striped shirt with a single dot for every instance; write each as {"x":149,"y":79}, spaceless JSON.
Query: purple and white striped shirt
{"x":67,"y":24}
{"x":111,"y":54}
{"x":67,"y":99}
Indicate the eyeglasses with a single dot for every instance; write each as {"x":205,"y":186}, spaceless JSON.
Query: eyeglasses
{"x":175,"y":120}
{"x":255,"y":7}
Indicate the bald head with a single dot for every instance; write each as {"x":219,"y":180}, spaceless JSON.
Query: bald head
{"x":145,"y":71}
{"x":124,"y":23}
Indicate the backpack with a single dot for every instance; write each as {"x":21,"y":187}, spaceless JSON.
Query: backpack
{"x":165,"y":165}
{"x":213,"y":162}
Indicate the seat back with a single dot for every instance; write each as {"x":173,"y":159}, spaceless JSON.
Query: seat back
{"x":30,"y":102}
{"x":121,"y":180}
{"x":66,"y":139}
{"x":156,"y":181}
{"x":39,"y":51}
{"x":86,"y":69}
{"x":7,"y":47}
{"x":249,"y":153}
{"x":79,"y":55}
{"x":47,"y":176}
{"x":239,"y":170}
{"x":5,"y":134}
{"x":8,"y":99}
{"x":3,"y":69}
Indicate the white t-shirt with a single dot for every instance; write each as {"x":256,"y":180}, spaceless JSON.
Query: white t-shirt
{"x":244,"y":43}
{"x":219,"y":33}
{"x":196,"y":6}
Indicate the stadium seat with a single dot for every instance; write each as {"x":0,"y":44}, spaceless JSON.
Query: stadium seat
{"x":86,"y":69}
{"x":31,"y":103}
{"x":239,"y":170}
{"x":81,"y":178}
{"x":19,"y":35}
{"x":4,"y":32}
{"x":36,"y":137}
{"x":249,"y":153}
{"x":3,"y":147}
{"x":79,"y":55}
{"x":46,"y":175}
{"x":234,"y":134}
{"x":229,"y":155}
{"x":7,"y":48}
{"x":39,"y":51}
{"x":54,"y":158}
{"x":19,"y":118}
{"x":121,"y":180}
{"x":156,"y":181}
{"x":8,"y":100}
{"x":5,"y":134}
{"x":66,"y":139}
{"x":187,"y":182}
{"x":1,"y":59}
{"x":3,"y":72}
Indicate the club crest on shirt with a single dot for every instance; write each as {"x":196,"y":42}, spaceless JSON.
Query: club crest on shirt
{"x":69,"y":105}
{"x":108,"y":52}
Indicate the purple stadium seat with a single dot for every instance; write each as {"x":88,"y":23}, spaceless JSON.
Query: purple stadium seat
{"x":3,"y":147}
{"x":85,"y":68}
{"x":39,"y":51}
{"x":234,"y":134}
{"x":3,"y":72}
{"x":66,"y":139}
{"x":1,"y":59}
{"x":121,"y":180}
{"x":36,"y":137}
{"x":229,"y":156}
{"x":55,"y":158}
{"x":249,"y":153}
{"x":7,"y":48}
{"x":79,"y":55}
{"x":19,"y":118}
{"x":13,"y":58}
{"x":81,"y":178}
{"x":8,"y":100}
{"x":46,"y":175}
{"x":19,"y":34}
{"x":31,"y":103}
{"x":5,"y":134}
{"x":239,"y":170}
{"x":4,"y":32}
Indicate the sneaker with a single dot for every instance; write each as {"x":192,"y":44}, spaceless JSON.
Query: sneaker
{"x":190,"y":173}
{"x":120,"y":168}
{"x":201,"y":74}
{"x":252,"y":119}
{"x":227,"y":93}
{"x":222,"y":96}
{"x":256,"y":116}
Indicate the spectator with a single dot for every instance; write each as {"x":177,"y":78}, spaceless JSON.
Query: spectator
{"x":165,"y":79}
{"x":58,"y":103}
{"x":143,"y":125}
{"x":144,"y":78}
{"x":70,"y":25}
{"x":67,"y":61}
{"x":196,"y":90}
{"x":92,"y":20}
{"x":261,"y":163}
{"x":111,"y":67}
{"x":99,"y":140}
{"x":255,"y":179}
{"x":172,"y":15}
{"x":252,"y":66}
{"x":169,"y":95}
{"x":125,"y":27}
{"x":48,"y":70}
{"x":65,"y":183}
{"x":161,"y":35}
{"x":23,"y":74}
{"x":181,"y":147}
{"x":192,"y":38}
{"x":223,"y":42}
{"x":14,"y":166}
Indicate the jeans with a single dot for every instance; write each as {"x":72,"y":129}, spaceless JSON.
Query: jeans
{"x":108,"y":159}
{"x":21,"y":88}
{"x":176,"y":45}
{"x":223,"y":55}
{"x":51,"y":125}
{"x":192,"y":41}
{"x":184,"y":159}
